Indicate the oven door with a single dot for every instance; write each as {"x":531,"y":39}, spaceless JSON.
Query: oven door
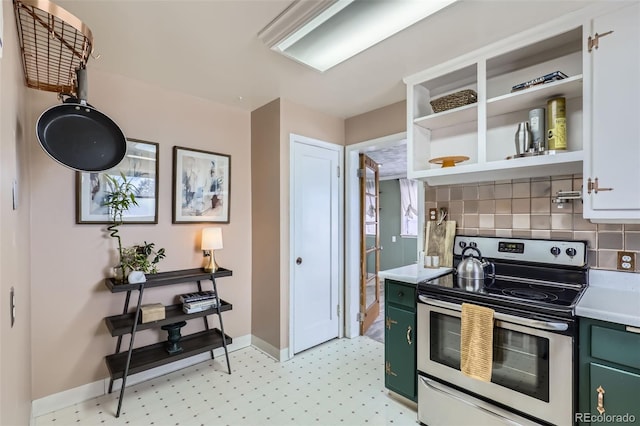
{"x":532,"y":363}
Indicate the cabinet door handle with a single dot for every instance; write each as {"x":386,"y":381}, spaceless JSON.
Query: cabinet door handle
{"x":600,"y":406}
{"x":409,"y":335}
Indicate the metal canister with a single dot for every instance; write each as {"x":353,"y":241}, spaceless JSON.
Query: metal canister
{"x":556,"y":124}
{"x":537,"y":124}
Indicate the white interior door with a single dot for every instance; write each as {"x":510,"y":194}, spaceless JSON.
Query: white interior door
{"x":316,"y":243}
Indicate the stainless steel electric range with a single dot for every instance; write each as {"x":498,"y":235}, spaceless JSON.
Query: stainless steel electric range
{"x":534,"y":291}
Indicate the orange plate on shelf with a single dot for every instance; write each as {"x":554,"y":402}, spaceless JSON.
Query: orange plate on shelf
{"x":449,"y":161}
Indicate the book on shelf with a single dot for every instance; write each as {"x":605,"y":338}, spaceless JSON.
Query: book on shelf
{"x":197,"y":296}
{"x":547,"y":78}
{"x":197,"y":308}
{"x":209,"y":302}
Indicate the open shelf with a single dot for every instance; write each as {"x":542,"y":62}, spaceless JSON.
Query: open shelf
{"x":120,"y":325}
{"x":440,"y":120}
{"x":537,"y":95}
{"x":542,"y":165}
{"x":148,"y":357}
{"x":167,"y":278}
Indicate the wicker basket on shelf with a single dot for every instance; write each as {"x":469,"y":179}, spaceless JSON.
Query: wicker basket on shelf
{"x":454,"y":100}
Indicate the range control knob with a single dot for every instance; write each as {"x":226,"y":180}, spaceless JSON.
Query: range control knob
{"x":555,"y":251}
{"x":571,"y":252}
{"x":472,"y":244}
{"x":462,"y":244}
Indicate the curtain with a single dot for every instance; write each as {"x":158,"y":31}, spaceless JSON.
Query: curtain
{"x":409,"y":208}
{"x":370,"y":207}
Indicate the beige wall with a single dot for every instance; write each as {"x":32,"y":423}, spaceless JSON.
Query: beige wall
{"x":15,"y":343}
{"x":265,"y":222}
{"x":374,"y":124}
{"x":307,"y":122}
{"x":69,"y":297}
{"x":522,"y":208}
{"x":271,"y":126}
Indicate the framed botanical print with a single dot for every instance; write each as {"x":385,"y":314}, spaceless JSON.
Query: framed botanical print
{"x":201,"y":186}
{"x":140,"y":167}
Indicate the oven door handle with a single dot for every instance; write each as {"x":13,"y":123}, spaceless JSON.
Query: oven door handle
{"x":539,"y":324}
{"x":434,"y":386}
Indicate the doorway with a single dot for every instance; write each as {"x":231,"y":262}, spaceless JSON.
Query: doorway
{"x":316,"y":242}
{"x":369,"y":242}
{"x":352,"y":220}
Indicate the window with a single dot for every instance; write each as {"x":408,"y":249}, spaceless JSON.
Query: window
{"x":409,"y":206}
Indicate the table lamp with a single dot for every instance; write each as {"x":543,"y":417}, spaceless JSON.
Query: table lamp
{"x":211,"y":240}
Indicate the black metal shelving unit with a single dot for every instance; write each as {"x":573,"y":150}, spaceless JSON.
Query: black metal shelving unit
{"x":121,"y":364}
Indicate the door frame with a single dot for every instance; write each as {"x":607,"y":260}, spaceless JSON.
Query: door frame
{"x":352,"y":225}
{"x":293,"y":139}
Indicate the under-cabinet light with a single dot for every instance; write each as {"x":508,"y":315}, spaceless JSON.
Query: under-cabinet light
{"x":334,"y":31}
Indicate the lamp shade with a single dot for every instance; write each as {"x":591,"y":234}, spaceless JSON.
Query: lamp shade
{"x":211,"y":238}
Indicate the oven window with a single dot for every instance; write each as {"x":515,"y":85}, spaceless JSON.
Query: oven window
{"x":520,"y":360}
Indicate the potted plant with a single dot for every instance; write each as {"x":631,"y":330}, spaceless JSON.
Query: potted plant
{"x":142,"y":258}
{"x":121,"y":195}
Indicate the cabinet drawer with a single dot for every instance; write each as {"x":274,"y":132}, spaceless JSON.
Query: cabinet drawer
{"x":401,"y":294}
{"x":616,"y":346}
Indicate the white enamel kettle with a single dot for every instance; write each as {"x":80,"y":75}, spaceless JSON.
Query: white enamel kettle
{"x":471,"y":270}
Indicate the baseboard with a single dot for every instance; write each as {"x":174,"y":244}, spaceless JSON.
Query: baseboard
{"x":82,"y":393}
{"x":67,"y":398}
{"x":272,"y":351}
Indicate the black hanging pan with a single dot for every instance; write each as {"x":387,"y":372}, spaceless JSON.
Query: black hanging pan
{"x":79,"y":136}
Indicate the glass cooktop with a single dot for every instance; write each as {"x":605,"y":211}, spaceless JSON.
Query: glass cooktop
{"x":505,"y":289}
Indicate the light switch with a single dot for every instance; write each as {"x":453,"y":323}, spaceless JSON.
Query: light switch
{"x":393,"y":238}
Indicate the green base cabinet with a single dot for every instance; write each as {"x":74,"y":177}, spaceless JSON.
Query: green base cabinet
{"x":609,"y":382}
{"x":400,"y":339}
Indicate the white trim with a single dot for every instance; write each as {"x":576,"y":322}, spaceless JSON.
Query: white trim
{"x":68,"y":398}
{"x":352,"y":226}
{"x":294,"y":138}
{"x":275,"y":353}
{"x":85,"y":392}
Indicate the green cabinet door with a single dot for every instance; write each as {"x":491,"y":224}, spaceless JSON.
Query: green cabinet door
{"x":400,"y":351}
{"x":620,"y":396}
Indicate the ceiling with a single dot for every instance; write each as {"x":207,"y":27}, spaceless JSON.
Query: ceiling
{"x":210,"y":49}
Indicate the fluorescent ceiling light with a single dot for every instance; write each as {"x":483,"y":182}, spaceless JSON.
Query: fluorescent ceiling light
{"x":334,"y":31}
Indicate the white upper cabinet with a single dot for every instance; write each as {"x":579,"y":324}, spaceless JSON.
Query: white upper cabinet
{"x":485,"y":131}
{"x":612,"y":99}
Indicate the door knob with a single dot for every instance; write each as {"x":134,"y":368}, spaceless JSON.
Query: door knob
{"x":298,"y":261}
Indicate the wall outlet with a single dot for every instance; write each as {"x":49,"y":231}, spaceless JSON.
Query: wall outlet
{"x":626,"y":261}
{"x":433,"y":214}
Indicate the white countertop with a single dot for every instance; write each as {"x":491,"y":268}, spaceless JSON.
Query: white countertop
{"x":412,"y":273}
{"x":612,"y":296}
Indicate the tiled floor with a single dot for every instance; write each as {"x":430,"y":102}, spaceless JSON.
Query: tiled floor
{"x":376,"y":331}
{"x":338,"y":383}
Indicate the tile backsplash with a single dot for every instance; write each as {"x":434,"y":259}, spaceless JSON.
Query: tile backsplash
{"x":524,"y":208}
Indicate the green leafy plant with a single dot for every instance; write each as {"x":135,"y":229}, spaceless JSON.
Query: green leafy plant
{"x":142,"y":258}
{"x":121,"y":196}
